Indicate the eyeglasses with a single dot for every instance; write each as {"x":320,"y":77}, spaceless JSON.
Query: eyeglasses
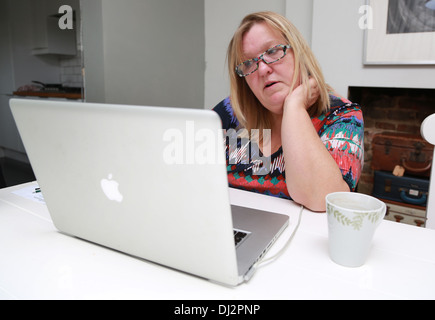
{"x":272,"y":55}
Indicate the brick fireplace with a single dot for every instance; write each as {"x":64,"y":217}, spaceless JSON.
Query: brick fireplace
{"x":393,"y":110}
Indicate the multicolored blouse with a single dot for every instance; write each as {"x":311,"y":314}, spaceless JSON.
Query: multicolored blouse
{"x":341,"y":130}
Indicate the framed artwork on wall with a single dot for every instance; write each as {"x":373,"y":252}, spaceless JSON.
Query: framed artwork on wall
{"x":401,"y":32}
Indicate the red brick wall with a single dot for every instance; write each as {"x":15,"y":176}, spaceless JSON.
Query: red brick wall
{"x":400,"y":110}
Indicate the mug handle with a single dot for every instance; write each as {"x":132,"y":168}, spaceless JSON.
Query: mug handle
{"x":382,"y":216}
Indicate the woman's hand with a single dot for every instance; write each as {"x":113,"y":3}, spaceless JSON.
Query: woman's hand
{"x":304,"y":95}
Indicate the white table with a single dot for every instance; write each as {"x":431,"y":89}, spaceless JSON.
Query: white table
{"x":37,"y":262}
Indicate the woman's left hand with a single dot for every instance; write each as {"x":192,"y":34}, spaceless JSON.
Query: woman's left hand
{"x":304,"y":95}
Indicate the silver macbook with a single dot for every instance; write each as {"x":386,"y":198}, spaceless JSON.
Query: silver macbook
{"x":147,"y":181}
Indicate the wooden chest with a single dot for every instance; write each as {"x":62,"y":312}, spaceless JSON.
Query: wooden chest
{"x":411,"y":152}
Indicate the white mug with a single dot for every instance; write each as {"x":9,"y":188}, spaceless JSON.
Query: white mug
{"x":352,"y":221}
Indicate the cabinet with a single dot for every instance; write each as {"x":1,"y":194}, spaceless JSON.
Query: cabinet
{"x":48,"y":37}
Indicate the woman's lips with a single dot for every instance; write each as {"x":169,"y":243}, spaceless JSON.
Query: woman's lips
{"x":270,"y":84}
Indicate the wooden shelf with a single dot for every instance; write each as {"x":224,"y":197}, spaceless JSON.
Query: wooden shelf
{"x":48,"y":94}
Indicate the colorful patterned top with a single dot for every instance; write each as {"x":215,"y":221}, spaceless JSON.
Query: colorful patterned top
{"x":341,"y":130}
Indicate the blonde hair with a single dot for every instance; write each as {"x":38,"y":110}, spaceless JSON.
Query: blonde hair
{"x":248,"y":109}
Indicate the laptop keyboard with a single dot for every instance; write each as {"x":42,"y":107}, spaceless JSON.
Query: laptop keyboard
{"x":239,"y":236}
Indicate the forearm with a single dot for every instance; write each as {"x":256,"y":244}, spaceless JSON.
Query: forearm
{"x":311,"y":172}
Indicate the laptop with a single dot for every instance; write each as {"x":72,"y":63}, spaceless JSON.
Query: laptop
{"x":150,"y":182}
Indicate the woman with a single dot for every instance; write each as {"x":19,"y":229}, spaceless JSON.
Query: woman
{"x":315,"y":139}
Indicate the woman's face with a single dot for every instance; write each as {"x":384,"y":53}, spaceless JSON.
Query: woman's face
{"x":271,"y":83}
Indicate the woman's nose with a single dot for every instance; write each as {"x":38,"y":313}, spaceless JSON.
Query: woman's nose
{"x":263,"y":67}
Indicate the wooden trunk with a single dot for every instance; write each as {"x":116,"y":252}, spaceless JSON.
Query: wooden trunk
{"x":411,"y":152}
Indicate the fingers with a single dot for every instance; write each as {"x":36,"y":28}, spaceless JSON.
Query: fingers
{"x":313,"y":92}
{"x":305,"y":95}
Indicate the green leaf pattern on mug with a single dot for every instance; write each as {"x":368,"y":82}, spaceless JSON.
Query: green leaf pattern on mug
{"x":358,"y":219}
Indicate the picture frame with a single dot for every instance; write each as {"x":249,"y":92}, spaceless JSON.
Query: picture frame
{"x":396,"y":35}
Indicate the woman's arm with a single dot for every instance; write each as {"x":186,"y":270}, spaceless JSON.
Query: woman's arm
{"x":311,"y":172}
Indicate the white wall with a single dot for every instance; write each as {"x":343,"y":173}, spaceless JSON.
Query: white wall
{"x":337,"y":42}
{"x":147,"y":52}
{"x":300,"y":13}
{"x":93,"y":50}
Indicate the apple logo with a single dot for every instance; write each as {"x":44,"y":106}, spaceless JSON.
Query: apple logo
{"x":110,"y":189}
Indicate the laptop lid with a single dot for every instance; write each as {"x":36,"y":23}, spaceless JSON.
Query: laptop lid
{"x":147,"y":181}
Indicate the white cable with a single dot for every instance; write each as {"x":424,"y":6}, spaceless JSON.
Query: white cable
{"x":281,"y":251}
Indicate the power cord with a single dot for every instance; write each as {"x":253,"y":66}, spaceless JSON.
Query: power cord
{"x":263,"y":261}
